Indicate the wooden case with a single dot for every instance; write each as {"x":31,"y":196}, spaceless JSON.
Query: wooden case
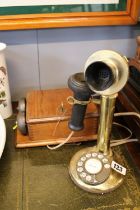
{"x":47,"y":116}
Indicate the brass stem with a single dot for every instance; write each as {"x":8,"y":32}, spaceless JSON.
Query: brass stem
{"x":105,"y":123}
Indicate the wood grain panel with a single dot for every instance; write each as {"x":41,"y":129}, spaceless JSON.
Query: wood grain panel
{"x":47,"y":120}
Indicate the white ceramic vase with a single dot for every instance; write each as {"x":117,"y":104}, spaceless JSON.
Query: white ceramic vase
{"x":5,"y":97}
{"x":2,"y":135}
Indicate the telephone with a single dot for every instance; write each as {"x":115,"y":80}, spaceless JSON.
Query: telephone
{"x":106,"y":73}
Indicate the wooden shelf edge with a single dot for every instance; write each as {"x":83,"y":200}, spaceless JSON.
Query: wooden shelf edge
{"x":24,"y":141}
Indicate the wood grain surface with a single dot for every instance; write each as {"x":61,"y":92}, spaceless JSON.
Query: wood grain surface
{"x":59,"y":20}
{"x":47,"y":116}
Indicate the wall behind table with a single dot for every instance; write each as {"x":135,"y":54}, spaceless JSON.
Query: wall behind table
{"x":46,"y":58}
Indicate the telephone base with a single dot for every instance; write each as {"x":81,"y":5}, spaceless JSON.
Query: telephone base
{"x":113,"y":181}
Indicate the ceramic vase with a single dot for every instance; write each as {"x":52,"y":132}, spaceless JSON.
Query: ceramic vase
{"x":2,"y":135}
{"x":5,"y":97}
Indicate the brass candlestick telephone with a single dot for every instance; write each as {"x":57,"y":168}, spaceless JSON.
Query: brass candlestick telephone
{"x":106,"y":73}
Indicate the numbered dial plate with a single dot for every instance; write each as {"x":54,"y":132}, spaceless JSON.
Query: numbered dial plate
{"x":93,"y":168}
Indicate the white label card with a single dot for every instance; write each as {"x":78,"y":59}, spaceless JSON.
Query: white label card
{"x":119,"y":168}
{"x":12,"y":3}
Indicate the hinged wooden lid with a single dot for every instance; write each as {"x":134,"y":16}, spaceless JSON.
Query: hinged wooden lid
{"x":50,"y":105}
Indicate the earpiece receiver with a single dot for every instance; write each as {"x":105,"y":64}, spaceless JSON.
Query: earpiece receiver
{"x":81,"y":94}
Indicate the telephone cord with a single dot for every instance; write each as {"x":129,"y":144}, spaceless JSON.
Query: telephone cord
{"x":61,"y":144}
{"x":113,"y":142}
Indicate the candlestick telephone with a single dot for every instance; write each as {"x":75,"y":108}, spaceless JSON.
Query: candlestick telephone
{"x":105,"y":73}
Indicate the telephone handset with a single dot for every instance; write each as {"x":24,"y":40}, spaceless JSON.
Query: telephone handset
{"x":106,"y":73}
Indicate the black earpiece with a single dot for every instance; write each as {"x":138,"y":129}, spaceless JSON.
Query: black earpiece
{"x":81,"y":93}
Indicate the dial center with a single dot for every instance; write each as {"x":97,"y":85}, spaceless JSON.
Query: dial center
{"x":93,"y":166}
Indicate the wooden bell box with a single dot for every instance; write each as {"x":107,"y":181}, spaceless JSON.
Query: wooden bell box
{"x":46,"y":116}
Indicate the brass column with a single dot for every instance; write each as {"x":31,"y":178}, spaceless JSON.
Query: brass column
{"x":105,"y":124}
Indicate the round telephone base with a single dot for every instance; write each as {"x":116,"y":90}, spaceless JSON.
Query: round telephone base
{"x":111,"y":183}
